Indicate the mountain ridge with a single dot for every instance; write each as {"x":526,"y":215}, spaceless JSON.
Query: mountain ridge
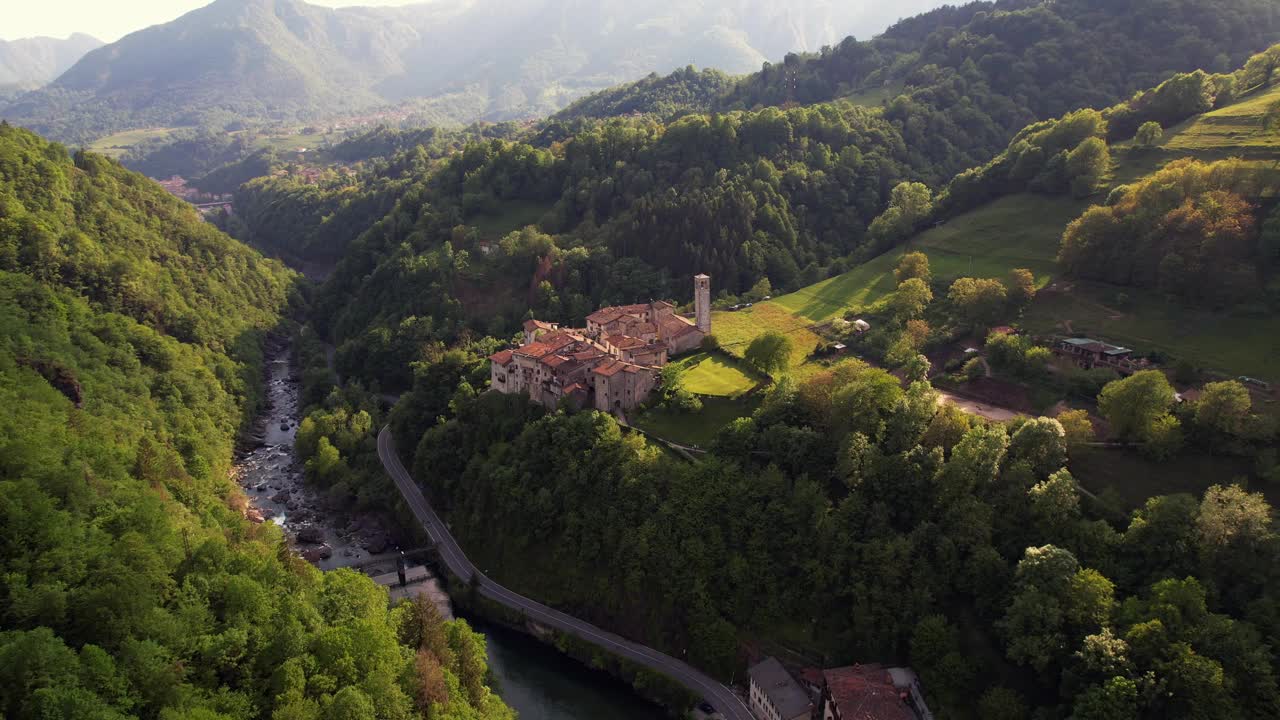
{"x":27,"y":63}
{"x":286,"y":60}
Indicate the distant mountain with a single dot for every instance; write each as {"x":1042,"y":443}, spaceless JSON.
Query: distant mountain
{"x":469,"y":59}
{"x":31,"y":62}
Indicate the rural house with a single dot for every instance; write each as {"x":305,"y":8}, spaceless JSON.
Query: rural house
{"x":871,"y":692}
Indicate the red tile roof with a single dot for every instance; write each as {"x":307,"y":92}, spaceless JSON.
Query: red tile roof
{"x":538,"y":325}
{"x":625,"y":342}
{"x":554,"y":361}
{"x":501,"y":358}
{"x":608,"y":314}
{"x":866,"y":692}
{"x":609,"y":368}
{"x":535,"y":350}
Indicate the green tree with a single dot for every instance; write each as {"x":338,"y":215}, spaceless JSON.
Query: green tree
{"x":1042,"y":443}
{"x":1001,"y":703}
{"x":913,"y":265}
{"x":978,"y":301}
{"x":1077,"y":428}
{"x":1115,"y":699}
{"x":1164,"y":439}
{"x":911,"y":299}
{"x":1022,"y":287}
{"x":1148,"y":135}
{"x":1086,"y":166}
{"x":910,"y":203}
{"x":1223,"y":407}
{"x":770,"y":352}
{"x":1133,"y":404}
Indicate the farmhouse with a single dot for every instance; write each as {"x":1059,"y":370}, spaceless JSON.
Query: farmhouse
{"x":1090,"y":354}
{"x":612,"y":364}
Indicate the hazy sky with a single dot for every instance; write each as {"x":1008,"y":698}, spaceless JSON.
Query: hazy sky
{"x":109,"y":20}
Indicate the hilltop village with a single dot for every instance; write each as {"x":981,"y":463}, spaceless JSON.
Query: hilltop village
{"x":612,"y":364}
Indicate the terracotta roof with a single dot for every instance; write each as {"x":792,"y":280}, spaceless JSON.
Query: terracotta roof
{"x":501,"y":358}
{"x":625,"y":342}
{"x":535,"y":350}
{"x":539,"y":325}
{"x":558,"y":339}
{"x":575,"y":388}
{"x":608,"y":369}
{"x":676,"y":326}
{"x":605,"y":315}
{"x":554,"y":360}
{"x":866,"y":692}
{"x":609,"y":314}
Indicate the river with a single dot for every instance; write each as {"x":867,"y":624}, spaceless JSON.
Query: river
{"x":535,"y":679}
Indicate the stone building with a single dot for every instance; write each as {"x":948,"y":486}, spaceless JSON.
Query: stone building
{"x":775,"y":695}
{"x":612,"y":364}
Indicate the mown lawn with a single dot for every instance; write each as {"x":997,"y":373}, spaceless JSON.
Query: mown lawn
{"x":699,"y":428}
{"x":718,"y":375}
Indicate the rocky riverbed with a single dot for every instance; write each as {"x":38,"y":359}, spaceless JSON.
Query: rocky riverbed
{"x":271,"y":475}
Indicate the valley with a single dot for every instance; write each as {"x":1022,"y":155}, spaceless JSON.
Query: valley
{"x":736,"y":359}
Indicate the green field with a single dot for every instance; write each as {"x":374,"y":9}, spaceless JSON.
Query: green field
{"x":1237,"y":129}
{"x":1134,"y":478}
{"x":717,"y":375}
{"x":1146,"y":322}
{"x":1013,"y":232}
{"x":700,"y":428}
{"x":1025,"y":231}
{"x":117,"y":145}
{"x":515,"y":215}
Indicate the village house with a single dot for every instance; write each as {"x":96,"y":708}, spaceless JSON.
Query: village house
{"x":1089,"y":354}
{"x":612,"y":364}
{"x":871,"y":692}
{"x":774,"y":695}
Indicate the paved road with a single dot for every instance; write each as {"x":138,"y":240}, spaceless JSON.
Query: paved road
{"x":724,"y":700}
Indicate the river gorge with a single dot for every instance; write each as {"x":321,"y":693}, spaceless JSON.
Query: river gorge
{"x":533,"y":678}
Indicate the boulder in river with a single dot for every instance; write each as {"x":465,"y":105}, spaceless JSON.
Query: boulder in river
{"x":316,"y":554}
{"x":311,"y":535}
{"x":376,"y":542}
{"x":280,"y":497}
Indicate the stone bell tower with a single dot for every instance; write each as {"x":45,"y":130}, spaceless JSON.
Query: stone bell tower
{"x":702,"y":302}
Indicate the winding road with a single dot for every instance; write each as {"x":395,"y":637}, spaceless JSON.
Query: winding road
{"x":725,"y":700}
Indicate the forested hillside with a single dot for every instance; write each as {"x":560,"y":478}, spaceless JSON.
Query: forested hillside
{"x":130,"y":583}
{"x":959,"y":80}
{"x":854,"y":518}
{"x":628,"y":208}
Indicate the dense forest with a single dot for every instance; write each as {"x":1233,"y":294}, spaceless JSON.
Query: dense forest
{"x":130,"y":583}
{"x":1190,"y":230}
{"x":859,"y":518}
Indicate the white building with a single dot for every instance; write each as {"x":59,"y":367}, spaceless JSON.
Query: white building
{"x":775,"y":695}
